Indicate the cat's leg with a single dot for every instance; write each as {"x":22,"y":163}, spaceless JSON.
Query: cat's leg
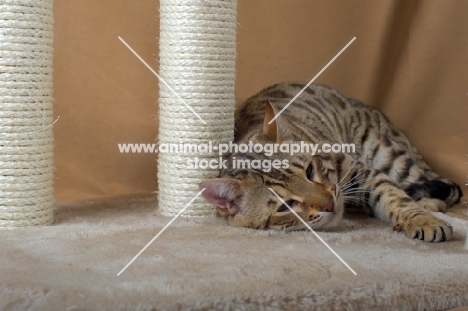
{"x":400,"y":160}
{"x":422,"y":184}
{"x":428,"y":188}
{"x":436,"y":194}
{"x":433,"y":205}
{"x":388,"y":202}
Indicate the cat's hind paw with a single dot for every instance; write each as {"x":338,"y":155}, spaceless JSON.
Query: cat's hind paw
{"x":425,"y":227}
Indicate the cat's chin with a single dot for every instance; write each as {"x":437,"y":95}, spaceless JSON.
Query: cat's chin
{"x":326,"y":220}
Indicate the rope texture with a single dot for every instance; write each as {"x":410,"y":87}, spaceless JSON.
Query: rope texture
{"x":197,"y":59}
{"x":26,"y":115}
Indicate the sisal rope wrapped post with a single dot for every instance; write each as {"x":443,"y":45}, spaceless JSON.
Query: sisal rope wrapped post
{"x":26,"y":89}
{"x":197,"y":59}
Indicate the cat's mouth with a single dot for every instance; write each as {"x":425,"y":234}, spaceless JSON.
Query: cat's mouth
{"x":329,"y":206}
{"x":322,"y":221}
{"x":329,"y":215}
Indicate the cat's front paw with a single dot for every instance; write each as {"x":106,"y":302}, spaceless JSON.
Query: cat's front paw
{"x":424,"y":226}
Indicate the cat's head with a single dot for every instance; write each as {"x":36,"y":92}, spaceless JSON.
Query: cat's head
{"x":308,"y":184}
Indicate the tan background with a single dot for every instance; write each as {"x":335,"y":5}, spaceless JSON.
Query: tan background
{"x":410,"y":60}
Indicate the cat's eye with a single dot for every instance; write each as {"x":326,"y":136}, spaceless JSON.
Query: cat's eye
{"x":310,"y":172}
{"x":284,"y":208}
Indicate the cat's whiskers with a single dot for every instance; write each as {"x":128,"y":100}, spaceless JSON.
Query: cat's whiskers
{"x":349,"y":185}
{"x":354,"y":188}
{"x":360,"y":182}
{"x":354,"y":180}
{"x":358,"y":200}
{"x":356,"y":195}
{"x":357,"y":190}
{"x":365,"y":207}
{"x":350,"y":168}
{"x":355,"y":199}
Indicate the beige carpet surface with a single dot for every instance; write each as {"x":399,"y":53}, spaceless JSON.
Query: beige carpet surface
{"x":202,"y":264}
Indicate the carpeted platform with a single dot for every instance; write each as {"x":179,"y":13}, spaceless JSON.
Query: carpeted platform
{"x":202,"y":264}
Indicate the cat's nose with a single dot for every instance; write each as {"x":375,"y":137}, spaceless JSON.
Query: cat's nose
{"x":328,"y":207}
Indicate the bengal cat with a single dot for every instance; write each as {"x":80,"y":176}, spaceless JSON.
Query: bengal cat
{"x":385,"y":177}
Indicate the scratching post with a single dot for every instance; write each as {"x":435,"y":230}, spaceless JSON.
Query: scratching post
{"x":197,"y":59}
{"x":26,"y":141}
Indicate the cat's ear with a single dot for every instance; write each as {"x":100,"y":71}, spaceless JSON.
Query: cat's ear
{"x":223,"y":192}
{"x":276,"y":131}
